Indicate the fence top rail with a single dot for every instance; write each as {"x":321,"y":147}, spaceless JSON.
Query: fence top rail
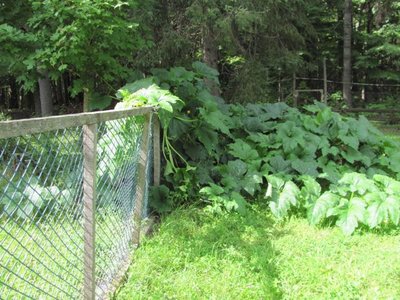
{"x":15,"y":128}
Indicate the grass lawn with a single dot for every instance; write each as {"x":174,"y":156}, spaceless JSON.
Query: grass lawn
{"x":45,"y":260}
{"x":392,"y":131}
{"x":194,"y":255}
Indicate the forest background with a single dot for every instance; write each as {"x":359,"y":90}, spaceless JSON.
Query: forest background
{"x":61,"y":56}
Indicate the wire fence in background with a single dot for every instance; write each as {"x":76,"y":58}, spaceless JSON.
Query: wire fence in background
{"x":364,"y":93}
{"x":71,"y":202}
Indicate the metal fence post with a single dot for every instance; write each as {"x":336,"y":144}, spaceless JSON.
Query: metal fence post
{"x":89,"y":201}
{"x":157,"y":151}
{"x":141,"y":183}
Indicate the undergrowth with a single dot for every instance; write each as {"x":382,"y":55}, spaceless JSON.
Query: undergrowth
{"x":314,"y":162}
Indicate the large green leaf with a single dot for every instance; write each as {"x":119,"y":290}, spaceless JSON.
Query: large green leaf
{"x":237,"y":168}
{"x":212,"y":190}
{"x":279,"y":164}
{"x":251,"y":183}
{"x":131,"y":88}
{"x":276,"y":111}
{"x":310,"y":191}
{"x":205,"y":71}
{"x":242,"y":150}
{"x":357,"y":182}
{"x":349,"y":213}
{"x":351,"y":141}
{"x":99,"y":102}
{"x":352,"y":155}
{"x":209,"y":138}
{"x":305,"y":167}
{"x":318,"y":210}
{"x":196,"y":151}
{"x":180,"y":74}
{"x":281,"y":203}
{"x":177,"y":128}
{"x":383,"y":209}
{"x":160,"y":200}
{"x":232,"y":174}
{"x":216,"y":119}
{"x":310,"y":124}
{"x":387,"y":184}
{"x":324,"y":116}
{"x":394,"y":162}
{"x":290,"y":135}
{"x":254,"y":124}
{"x":236,"y":203}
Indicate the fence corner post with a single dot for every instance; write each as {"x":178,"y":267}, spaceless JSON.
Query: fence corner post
{"x":89,"y":208}
{"x":141,"y":183}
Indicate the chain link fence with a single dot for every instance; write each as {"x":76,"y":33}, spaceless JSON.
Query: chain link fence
{"x":46,"y":197}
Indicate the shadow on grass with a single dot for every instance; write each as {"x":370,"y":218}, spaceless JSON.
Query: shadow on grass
{"x":196,"y":255}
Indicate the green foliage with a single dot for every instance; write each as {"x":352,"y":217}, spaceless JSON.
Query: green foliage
{"x":35,"y":187}
{"x":317,"y":162}
{"x":92,"y":41}
{"x":354,"y":200}
{"x":282,"y":195}
{"x":220,"y":201}
{"x":4,"y":117}
{"x":28,"y":202}
{"x":160,"y":199}
{"x":256,"y":45}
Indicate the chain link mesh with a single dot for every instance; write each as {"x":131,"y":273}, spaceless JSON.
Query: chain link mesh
{"x":41,"y":209}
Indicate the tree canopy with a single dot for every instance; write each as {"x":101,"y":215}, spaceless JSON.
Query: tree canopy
{"x":256,"y":46}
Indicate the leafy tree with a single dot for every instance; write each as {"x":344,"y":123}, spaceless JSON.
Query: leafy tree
{"x":94,"y":40}
{"x":16,"y":44}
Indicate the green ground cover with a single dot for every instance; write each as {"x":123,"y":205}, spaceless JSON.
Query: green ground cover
{"x":197,"y":255}
{"x":390,"y":130}
{"x":45,"y":260}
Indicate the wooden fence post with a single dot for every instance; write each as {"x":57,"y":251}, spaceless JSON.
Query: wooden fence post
{"x":325,"y":83}
{"x":295,"y":93}
{"x":156,"y":150}
{"x":89,"y":202}
{"x":141,"y":183}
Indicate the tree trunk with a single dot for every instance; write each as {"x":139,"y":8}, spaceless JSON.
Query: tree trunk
{"x":210,"y":57}
{"x":46,"y":101}
{"x":86,"y":100}
{"x":14,"y":97}
{"x":339,"y":53}
{"x":3,"y":93}
{"x":57,"y":93}
{"x":36,"y":97}
{"x":347,"y":41}
{"x":369,"y":28}
{"x":64,"y":91}
{"x":88,"y":94}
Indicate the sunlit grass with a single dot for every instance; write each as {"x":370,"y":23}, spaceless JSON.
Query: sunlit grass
{"x":44,"y":260}
{"x":392,"y":131}
{"x":41,"y":260}
{"x":194,"y":255}
{"x":325,"y":264}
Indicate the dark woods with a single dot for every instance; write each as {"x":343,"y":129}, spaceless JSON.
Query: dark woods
{"x":61,"y":57}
